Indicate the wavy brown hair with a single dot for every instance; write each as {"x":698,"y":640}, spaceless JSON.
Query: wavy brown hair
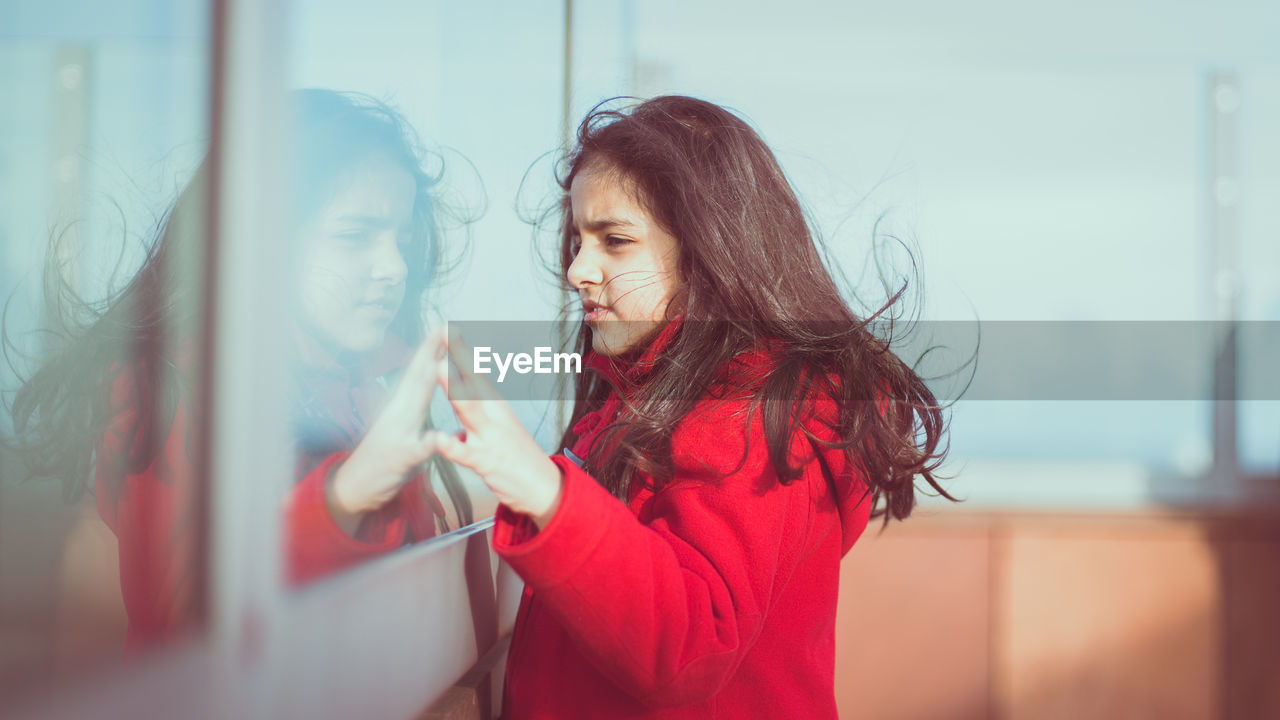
{"x":752,"y":274}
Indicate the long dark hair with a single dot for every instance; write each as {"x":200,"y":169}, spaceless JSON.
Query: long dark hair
{"x":133,"y":341}
{"x":752,"y":273}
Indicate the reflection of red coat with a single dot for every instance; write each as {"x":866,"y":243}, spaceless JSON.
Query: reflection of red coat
{"x":713,"y":598}
{"x":155,"y":512}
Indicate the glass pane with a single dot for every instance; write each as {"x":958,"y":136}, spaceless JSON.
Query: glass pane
{"x":102,"y":225}
{"x":410,"y":138}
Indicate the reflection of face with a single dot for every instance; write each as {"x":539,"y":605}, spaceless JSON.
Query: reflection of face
{"x":353,"y":270}
{"x":625,"y":264}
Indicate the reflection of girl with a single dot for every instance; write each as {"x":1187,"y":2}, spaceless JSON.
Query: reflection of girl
{"x":736,"y":429}
{"x":366,"y":243}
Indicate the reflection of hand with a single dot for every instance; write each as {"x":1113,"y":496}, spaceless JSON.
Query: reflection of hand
{"x":495,"y":445}
{"x":395,"y":445}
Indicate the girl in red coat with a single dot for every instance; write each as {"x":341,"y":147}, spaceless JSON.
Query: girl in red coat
{"x":735,"y":428}
{"x":114,"y":404}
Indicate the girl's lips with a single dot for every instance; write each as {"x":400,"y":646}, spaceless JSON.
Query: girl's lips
{"x":381,"y":308}
{"x":592,"y":310}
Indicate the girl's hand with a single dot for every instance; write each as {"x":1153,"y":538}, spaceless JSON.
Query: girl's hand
{"x":396,"y":444}
{"x":495,"y":444}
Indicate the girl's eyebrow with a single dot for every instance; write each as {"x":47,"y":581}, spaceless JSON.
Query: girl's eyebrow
{"x":370,"y":220}
{"x":598,"y":224}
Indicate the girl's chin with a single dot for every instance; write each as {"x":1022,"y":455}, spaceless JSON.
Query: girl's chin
{"x":370,"y":340}
{"x":605,"y":350}
{"x":619,"y":337}
{"x":604,"y":344}
{"x":356,"y":342}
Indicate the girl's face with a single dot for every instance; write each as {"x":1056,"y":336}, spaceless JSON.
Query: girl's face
{"x":624,"y":264}
{"x":353,"y":268}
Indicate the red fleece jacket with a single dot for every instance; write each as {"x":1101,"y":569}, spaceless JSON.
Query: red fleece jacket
{"x":714,"y":597}
{"x":154,"y":506}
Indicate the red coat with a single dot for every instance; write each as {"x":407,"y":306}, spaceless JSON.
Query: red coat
{"x":713,"y":598}
{"x":155,"y":511}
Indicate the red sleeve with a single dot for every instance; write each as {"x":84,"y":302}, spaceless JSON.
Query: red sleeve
{"x":314,"y":544}
{"x":317,"y":546}
{"x":667,"y":608}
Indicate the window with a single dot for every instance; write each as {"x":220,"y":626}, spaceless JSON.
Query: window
{"x":159,"y":92}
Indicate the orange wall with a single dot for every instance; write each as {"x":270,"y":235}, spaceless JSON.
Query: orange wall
{"x":972,"y":615}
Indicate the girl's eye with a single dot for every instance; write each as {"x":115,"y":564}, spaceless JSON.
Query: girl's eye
{"x":617,"y":240}
{"x":575,"y":244}
{"x":354,"y":236}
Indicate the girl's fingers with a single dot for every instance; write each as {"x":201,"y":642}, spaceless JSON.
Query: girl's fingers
{"x":427,"y":350}
{"x":468,"y":392}
{"x":441,"y":369}
{"x":486,"y":390}
{"x":457,"y":351}
{"x":462,"y":357}
{"x":478,"y":386}
{"x":474,"y":398}
{"x":474,"y":386}
{"x":417,"y":385}
{"x":455,"y":450}
{"x":453,"y":389}
{"x":429,"y":444}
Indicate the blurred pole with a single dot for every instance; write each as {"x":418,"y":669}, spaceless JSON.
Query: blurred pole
{"x":566,"y":107}
{"x":565,"y":336}
{"x":69,"y":138}
{"x":1224,"y":194}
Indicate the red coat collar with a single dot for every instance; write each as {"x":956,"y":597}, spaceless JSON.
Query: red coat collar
{"x":622,"y":371}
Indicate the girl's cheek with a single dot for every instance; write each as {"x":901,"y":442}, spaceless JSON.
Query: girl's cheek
{"x":326,"y":283}
{"x":331,"y":263}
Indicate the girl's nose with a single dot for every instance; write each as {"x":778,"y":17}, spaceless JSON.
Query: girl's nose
{"x":585,"y":269}
{"x":388,"y":261}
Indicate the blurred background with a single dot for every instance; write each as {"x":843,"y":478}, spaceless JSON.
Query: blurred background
{"x":1108,"y":168}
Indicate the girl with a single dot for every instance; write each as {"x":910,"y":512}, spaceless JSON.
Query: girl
{"x":110,"y":407}
{"x":736,"y":427}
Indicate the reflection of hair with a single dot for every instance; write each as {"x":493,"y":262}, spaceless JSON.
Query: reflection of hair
{"x":134,"y":340}
{"x":751,"y":271}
